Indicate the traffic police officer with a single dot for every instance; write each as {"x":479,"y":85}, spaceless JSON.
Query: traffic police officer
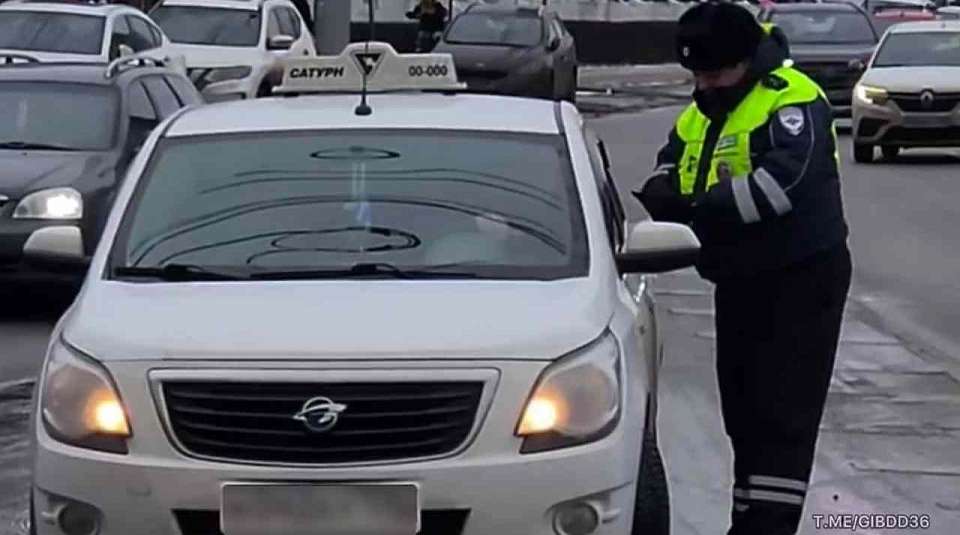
{"x":752,"y":165}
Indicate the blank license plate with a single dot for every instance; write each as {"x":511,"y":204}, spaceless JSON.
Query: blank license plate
{"x":927,"y":121}
{"x":285,"y":509}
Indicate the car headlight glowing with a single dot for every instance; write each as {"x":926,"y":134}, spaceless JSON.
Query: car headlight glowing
{"x":576,"y":400}
{"x":80,"y":405}
{"x":55,"y":203}
{"x":228,"y":73}
{"x":871,"y":94}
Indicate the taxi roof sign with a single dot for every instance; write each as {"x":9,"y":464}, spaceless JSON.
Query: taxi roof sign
{"x":385,"y":70}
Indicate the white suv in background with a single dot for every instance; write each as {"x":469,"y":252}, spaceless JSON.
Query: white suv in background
{"x":232,"y":46}
{"x":84,"y":33}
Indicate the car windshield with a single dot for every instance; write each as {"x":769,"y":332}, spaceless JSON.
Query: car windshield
{"x":63,"y":33}
{"x":209,"y":26}
{"x":57,"y":116}
{"x":491,"y":205}
{"x":915,"y":49}
{"x":825,"y":28}
{"x":496,"y":29}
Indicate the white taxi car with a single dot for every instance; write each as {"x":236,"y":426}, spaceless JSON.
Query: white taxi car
{"x":82,"y":33}
{"x":910,"y":94}
{"x":420,"y":314}
{"x":232,"y":46}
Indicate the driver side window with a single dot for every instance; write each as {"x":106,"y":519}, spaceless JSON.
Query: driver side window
{"x":120,"y":35}
{"x":273,"y":24}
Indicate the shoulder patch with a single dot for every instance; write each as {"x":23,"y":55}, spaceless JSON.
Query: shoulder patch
{"x":773,"y":81}
{"x":792,"y":119}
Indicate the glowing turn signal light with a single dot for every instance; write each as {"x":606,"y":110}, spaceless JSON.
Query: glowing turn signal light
{"x":108,"y":417}
{"x":540,"y":416}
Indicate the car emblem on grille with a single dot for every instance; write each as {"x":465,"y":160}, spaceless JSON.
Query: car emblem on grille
{"x":320,"y":414}
{"x":926,"y":99}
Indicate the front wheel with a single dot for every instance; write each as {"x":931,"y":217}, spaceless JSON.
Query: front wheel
{"x":651,"y":510}
{"x":862,"y":153}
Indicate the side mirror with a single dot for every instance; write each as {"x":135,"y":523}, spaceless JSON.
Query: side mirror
{"x":125,"y":51}
{"x":280,"y":42}
{"x":57,"y":248}
{"x":654,"y":247}
{"x":554,"y":44}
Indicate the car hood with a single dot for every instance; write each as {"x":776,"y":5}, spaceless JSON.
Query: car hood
{"x":487,"y":58}
{"x":51,"y":57}
{"x":914,"y":79}
{"x":202,"y":56}
{"x":830,"y":53}
{"x":342,"y":320}
{"x":22,"y":172}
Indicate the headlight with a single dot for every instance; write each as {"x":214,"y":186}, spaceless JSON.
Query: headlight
{"x":576,"y":400}
{"x":56,"y":203}
{"x":870,"y":94}
{"x":80,"y":404}
{"x":228,"y":73}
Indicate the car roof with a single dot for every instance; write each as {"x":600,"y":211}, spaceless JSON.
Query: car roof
{"x":77,"y":9}
{"x":241,"y":5}
{"x":827,"y":7}
{"x":413,"y":111}
{"x":78,"y":73}
{"x":926,"y":26}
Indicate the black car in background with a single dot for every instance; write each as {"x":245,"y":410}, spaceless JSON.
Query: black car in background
{"x":67,"y":134}
{"x":830,"y":42}
{"x":513,"y":51}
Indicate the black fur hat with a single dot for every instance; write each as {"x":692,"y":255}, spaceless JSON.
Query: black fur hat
{"x":716,"y":35}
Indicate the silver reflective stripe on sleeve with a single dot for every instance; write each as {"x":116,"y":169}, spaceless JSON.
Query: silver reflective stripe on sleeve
{"x":745,"y":204}
{"x":664,"y":168}
{"x":768,"y":496}
{"x":775,"y":194}
{"x":778,"y":482}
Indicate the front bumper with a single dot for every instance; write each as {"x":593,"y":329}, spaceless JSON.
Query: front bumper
{"x":889,"y":125}
{"x":157,"y":489}
{"x":14,"y":234}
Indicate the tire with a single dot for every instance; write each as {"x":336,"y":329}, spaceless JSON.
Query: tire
{"x":890,"y":152}
{"x":862,"y":153}
{"x":651,"y":510}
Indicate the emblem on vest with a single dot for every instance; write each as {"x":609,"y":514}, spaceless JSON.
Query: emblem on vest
{"x":792,"y":120}
{"x":727,"y":142}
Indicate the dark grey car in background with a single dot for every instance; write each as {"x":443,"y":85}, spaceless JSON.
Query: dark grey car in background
{"x":830,"y":42}
{"x":513,"y":51}
{"x":67,"y":134}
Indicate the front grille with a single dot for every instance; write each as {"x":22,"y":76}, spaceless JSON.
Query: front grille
{"x":252,"y":421}
{"x":942,"y":102}
{"x":831,"y":75}
{"x":869,"y":127}
{"x":439,"y":522}
{"x":949,"y":136}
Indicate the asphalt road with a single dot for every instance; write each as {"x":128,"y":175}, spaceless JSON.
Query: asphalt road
{"x":893,"y":422}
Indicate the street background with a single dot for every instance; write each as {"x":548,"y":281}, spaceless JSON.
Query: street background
{"x":889,"y":441}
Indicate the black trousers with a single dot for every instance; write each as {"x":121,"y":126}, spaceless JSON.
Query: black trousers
{"x":777,"y":336}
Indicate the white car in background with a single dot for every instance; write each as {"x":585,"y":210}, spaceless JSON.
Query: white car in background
{"x":232,"y":46}
{"x":910,"y":94}
{"x":84,"y":33}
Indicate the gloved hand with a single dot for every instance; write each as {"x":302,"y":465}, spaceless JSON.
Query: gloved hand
{"x":659,"y":196}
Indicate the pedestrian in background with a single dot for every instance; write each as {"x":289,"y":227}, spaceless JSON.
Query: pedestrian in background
{"x":432,"y":17}
{"x":752,"y":165}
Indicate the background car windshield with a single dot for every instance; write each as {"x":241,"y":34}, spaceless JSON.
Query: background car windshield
{"x":495,"y":29}
{"x":209,"y":26}
{"x":51,"y":32}
{"x":497,"y":205}
{"x":70,"y":116}
{"x":825,"y":28}
{"x":920,"y":49}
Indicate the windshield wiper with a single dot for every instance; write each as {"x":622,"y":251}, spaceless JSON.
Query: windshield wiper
{"x":29,"y":145}
{"x":180,"y":273}
{"x":369,"y":269}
